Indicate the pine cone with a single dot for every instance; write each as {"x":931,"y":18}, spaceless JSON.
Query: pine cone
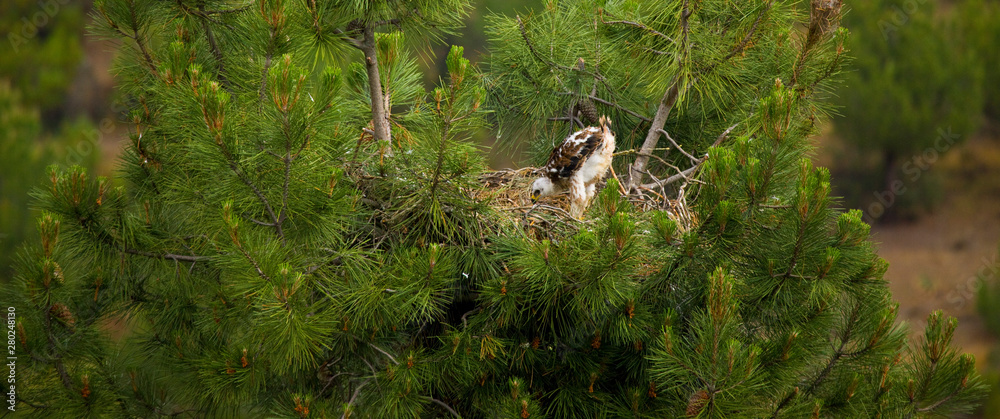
{"x":696,"y":403}
{"x":824,"y":18}
{"x":588,"y":110}
{"x":61,"y":312}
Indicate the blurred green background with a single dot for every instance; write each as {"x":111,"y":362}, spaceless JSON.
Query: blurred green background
{"x":914,"y":140}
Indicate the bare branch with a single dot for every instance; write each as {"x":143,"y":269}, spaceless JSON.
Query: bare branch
{"x":674,"y":178}
{"x":678,"y":147}
{"x":391,"y":358}
{"x":725,"y":134}
{"x":347,"y":38}
{"x":653,"y":136}
{"x":446,"y":407}
{"x":354,"y":396}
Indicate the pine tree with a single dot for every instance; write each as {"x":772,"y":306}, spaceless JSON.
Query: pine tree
{"x":268,"y":256}
{"x":27,"y":150}
{"x":912,"y":60}
{"x":42,"y":52}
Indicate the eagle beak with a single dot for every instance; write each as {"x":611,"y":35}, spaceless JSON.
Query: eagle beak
{"x":534,"y":199}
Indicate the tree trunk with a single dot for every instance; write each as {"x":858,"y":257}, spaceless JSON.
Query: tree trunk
{"x":380,"y":111}
{"x":890,"y":175}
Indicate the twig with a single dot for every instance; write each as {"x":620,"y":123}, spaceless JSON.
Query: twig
{"x":940,"y":402}
{"x":621,"y":188}
{"x":219,"y":58}
{"x":181,"y":258}
{"x":391,"y":358}
{"x":678,"y":146}
{"x":617,"y":106}
{"x":740,"y":47}
{"x":134,"y":36}
{"x":258,"y":222}
{"x":557,"y":210}
{"x":56,"y":358}
{"x":446,"y":407}
{"x":354,"y":396}
{"x":253,"y":262}
{"x":649,"y":155}
{"x":531,"y":48}
{"x":347,"y":38}
{"x":725,"y":134}
{"x":246,"y":181}
{"x":638,"y":25}
{"x":674,"y":178}
{"x":267,"y":67}
{"x":226,"y":11}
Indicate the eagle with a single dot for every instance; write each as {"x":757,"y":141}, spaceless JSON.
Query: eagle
{"x":577,"y":165}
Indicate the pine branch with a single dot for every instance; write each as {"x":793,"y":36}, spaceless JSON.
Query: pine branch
{"x":539,"y":57}
{"x":267,"y":66}
{"x":169,"y":256}
{"x":620,"y":107}
{"x":101,"y":236}
{"x":287,"y":161}
{"x":830,"y":69}
{"x":935,"y":405}
{"x":56,"y":357}
{"x":256,"y":266}
{"x":391,"y":358}
{"x":134,"y":36}
{"x":253,"y":187}
{"x":347,"y":38}
{"x":227,"y":11}
{"x":845,"y":337}
{"x":742,"y":45}
{"x":212,"y":43}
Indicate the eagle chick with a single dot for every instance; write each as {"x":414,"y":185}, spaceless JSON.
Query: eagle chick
{"x":577,"y":165}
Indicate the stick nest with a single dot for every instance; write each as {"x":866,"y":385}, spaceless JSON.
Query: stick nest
{"x":507,"y":190}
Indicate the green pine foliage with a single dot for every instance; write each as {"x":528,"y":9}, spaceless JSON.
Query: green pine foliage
{"x":268,"y":254}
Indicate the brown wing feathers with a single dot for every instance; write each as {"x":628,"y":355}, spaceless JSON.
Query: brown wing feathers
{"x":576,"y":149}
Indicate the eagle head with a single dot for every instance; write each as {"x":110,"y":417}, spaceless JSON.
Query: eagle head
{"x":541,"y":188}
